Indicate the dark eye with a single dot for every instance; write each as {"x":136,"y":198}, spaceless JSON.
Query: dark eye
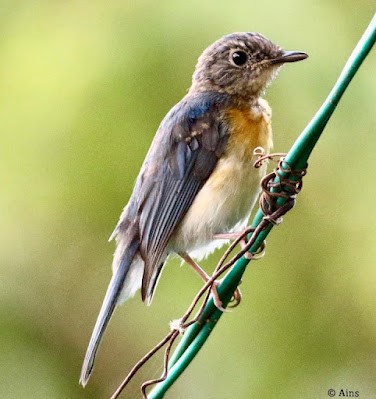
{"x":239,"y":57}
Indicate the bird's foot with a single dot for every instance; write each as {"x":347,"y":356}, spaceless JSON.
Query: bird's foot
{"x":236,"y":298}
{"x":216,"y":299}
{"x":234,"y":302}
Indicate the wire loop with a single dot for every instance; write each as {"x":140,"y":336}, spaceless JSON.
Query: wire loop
{"x":282,"y":183}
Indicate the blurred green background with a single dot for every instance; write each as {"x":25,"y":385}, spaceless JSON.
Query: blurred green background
{"x":83,"y":87}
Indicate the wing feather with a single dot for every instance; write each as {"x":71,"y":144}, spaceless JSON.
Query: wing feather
{"x":184,"y":153}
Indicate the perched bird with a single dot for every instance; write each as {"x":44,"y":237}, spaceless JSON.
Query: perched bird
{"x":197,"y":185}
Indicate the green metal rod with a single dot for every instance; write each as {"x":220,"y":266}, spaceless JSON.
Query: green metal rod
{"x":300,"y":151}
{"x":297,"y":157}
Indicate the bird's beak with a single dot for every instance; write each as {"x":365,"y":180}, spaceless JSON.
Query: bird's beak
{"x":289,"y":56}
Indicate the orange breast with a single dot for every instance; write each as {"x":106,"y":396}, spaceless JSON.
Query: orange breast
{"x":250,"y":128}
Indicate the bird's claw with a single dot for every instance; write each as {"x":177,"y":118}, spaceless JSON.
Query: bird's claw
{"x":236,"y":298}
{"x":216,"y":299}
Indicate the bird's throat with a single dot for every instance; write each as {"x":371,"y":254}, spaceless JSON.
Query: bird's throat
{"x":250,"y":128}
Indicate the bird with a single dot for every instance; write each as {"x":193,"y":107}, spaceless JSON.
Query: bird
{"x":198,"y":184}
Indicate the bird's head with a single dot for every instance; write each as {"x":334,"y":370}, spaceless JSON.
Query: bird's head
{"x":241,"y":64}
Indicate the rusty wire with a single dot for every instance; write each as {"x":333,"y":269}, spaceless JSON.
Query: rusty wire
{"x":282,"y":183}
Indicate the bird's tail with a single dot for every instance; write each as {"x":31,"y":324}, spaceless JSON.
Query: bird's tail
{"x":110,"y":300}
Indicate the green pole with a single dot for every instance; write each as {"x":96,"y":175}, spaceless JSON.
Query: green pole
{"x":197,"y":334}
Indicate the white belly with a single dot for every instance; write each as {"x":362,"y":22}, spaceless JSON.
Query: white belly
{"x":223,"y":205}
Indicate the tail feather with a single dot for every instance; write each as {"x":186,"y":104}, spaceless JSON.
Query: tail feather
{"x":110,"y":300}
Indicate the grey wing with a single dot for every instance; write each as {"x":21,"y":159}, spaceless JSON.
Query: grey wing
{"x":185,"y":155}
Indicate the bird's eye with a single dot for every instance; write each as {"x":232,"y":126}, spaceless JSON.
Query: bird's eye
{"x":239,"y":58}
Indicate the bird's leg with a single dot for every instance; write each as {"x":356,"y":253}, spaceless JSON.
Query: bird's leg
{"x":234,"y":236}
{"x":205,"y":277}
{"x":231,"y":236}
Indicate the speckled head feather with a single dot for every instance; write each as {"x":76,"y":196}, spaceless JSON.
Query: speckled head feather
{"x":239,"y":64}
